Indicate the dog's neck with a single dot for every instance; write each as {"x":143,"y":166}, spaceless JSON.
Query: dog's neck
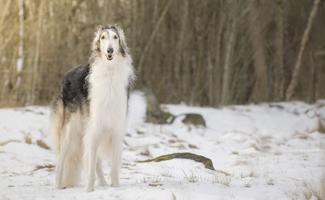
{"x":118,"y":70}
{"x":103,"y":61}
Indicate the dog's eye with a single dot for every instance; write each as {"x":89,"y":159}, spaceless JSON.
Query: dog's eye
{"x":115,"y":37}
{"x":103,"y":37}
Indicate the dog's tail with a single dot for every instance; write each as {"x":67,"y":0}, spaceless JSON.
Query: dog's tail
{"x":57,"y":120}
{"x":137,"y":107}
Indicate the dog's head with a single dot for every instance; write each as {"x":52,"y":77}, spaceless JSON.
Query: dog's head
{"x":109,"y":42}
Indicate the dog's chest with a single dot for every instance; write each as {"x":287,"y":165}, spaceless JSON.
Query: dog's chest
{"x":108,"y":95}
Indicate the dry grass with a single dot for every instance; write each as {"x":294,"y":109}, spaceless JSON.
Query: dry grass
{"x":193,"y":146}
{"x":224,"y":180}
{"x":241,"y":162}
{"x":223,"y":172}
{"x":191,"y":178}
{"x":153,"y":181}
{"x":42,"y":144}
{"x":49,"y":167}
{"x":28,"y":139}
{"x":270,"y":181}
{"x":315,"y":190}
{"x":155,"y":184}
{"x":167,"y":174}
{"x":249,"y":174}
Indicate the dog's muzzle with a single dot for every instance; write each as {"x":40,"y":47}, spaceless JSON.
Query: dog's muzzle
{"x":110,"y":53}
{"x":109,"y":57}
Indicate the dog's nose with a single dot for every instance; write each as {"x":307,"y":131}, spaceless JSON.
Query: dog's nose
{"x":110,"y":50}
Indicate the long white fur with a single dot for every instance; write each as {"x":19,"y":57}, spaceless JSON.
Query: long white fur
{"x":103,"y":128}
{"x":107,"y":115}
{"x":70,"y":151}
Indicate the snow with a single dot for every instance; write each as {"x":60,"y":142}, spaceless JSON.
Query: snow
{"x":269,"y":151}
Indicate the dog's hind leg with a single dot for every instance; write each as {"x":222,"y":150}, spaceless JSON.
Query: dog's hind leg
{"x":57,"y":130}
{"x":69,"y":163}
{"x":100,"y":174}
{"x":59,"y":171}
{"x":72,"y":169}
{"x":91,"y":144}
{"x":60,"y":164}
{"x":73,"y":163}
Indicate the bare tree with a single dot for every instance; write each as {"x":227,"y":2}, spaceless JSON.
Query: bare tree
{"x":152,"y":35}
{"x":225,"y":96}
{"x":21,"y":59}
{"x":208,"y":53}
{"x":295,"y":75}
{"x":279,"y":80}
{"x":34,"y":76}
{"x":261,"y":89}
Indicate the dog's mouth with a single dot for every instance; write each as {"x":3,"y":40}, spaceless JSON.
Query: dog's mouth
{"x":109,"y":57}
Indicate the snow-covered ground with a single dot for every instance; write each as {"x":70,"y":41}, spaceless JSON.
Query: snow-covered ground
{"x":266,"y":151}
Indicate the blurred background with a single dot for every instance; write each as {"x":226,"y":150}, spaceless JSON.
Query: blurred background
{"x":211,"y":52}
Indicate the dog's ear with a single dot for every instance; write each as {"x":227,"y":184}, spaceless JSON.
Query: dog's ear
{"x":95,"y":44}
{"x":123,"y":46}
{"x":99,"y":28}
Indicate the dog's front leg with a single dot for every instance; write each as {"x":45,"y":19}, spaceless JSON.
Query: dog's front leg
{"x":116,"y":158}
{"x":100,"y":174}
{"x":91,"y":151}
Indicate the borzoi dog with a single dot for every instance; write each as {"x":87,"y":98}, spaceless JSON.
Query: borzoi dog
{"x":88,"y":118}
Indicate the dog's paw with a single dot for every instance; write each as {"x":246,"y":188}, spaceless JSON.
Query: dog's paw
{"x":59,"y":187}
{"x":115,"y":184}
{"x":115,"y":180}
{"x":102,"y":183}
{"x":89,"y":189}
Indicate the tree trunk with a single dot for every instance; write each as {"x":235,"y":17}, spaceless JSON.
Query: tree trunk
{"x":279,"y":72}
{"x":260,"y":90}
{"x":34,"y":76}
{"x":295,"y":75}
{"x":152,"y":36}
{"x":21,"y":59}
{"x":225,"y":96}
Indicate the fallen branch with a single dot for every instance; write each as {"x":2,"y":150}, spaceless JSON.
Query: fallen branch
{"x":186,"y":155}
{"x":8,"y":141}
